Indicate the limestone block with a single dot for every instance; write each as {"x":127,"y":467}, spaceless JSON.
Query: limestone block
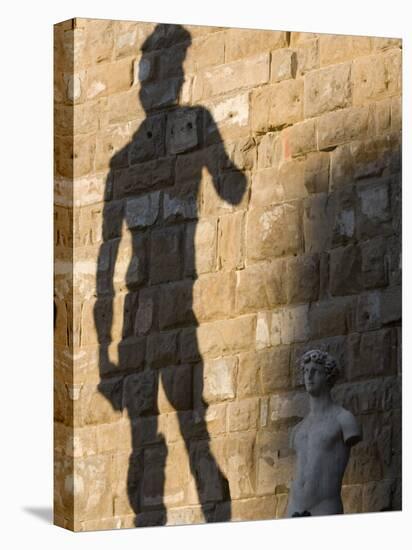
{"x":269,"y":150}
{"x":327,"y":89}
{"x":205,"y":51}
{"x":99,"y":39}
{"x":200,"y":247}
{"x":228,"y":118}
{"x":316,"y":176}
{"x":330,"y":317}
{"x":391,"y":303}
{"x":241,"y":153}
{"x":243,"y":415}
{"x":317,"y":223}
{"x":140,"y":393}
{"x":162,"y":349}
{"x":266,"y":188}
{"x":368,"y":311}
{"x":219,"y":379}
{"x":377,"y":496}
{"x":181,"y":131}
{"x":111,"y":147}
{"x":90,"y":484}
{"x":274,"y":368}
{"x":224,"y":336}
{"x":375,"y":395}
{"x":126,"y":36}
{"x":374,"y":214}
{"x":307,"y":55}
{"x":364,"y":464}
{"x":248,"y":382}
{"x":153,"y":481}
{"x":334,"y":48}
{"x":160,"y":93}
{"x":149,"y":141}
{"x":165,"y":254}
{"x":114,"y":437}
{"x":109,"y":78}
{"x":299,"y":139}
{"x":214,"y":296}
{"x":283,"y":406}
{"x":144,"y":177}
{"x":352,"y":499}
{"x":377,"y":76}
{"x":123,"y":107}
{"x":231,"y":241}
{"x":276,"y":106}
{"x":185,"y":515}
{"x":250,"y":509}
{"x":273,"y":471}
{"x":344,"y":125}
{"x":74,"y":156}
{"x":142,"y":211}
{"x":291,"y":179}
{"x":261,"y":286}
{"x":273,"y":232}
{"x":175,"y":391}
{"x":372,"y":354}
{"x":303,"y":278}
{"x":239,"y":464}
{"x":283,"y":65}
{"x":241,"y":43}
{"x":244,"y":73}
{"x":180,"y":202}
{"x":294,"y":324}
{"x":176,"y":304}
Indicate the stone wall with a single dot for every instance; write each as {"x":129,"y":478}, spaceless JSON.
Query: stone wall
{"x":200,"y":249}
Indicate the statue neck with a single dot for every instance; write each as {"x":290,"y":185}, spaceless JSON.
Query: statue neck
{"x":319,"y":404}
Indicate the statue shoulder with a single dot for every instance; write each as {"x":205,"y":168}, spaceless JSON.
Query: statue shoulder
{"x":351,"y":430}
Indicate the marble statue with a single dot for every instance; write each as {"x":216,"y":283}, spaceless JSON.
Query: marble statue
{"x":321,"y":441}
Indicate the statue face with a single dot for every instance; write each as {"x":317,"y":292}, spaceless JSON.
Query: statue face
{"x":315,"y":379}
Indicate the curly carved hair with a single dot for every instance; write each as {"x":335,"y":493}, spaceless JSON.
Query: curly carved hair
{"x":321,"y":358}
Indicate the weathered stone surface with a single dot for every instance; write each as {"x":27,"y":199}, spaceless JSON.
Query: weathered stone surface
{"x":283,"y":65}
{"x":336,"y":48}
{"x":343,"y":126}
{"x":372,"y":354}
{"x":273,"y":471}
{"x":376,"y":77}
{"x":175,"y":391}
{"x":165,"y":249}
{"x":162,"y":348}
{"x":219,"y":379}
{"x":243,"y":415}
{"x":307,"y":54}
{"x":241,"y":43}
{"x":327,"y":89}
{"x":273,"y":232}
{"x":140,"y":392}
{"x":142,"y":211}
{"x":276,"y":106}
{"x":200,"y":247}
{"x":231,"y":241}
{"x":260,"y":286}
{"x":317,"y":173}
{"x":300,"y":138}
{"x":214,"y":296}
{"x":303,"y":278}
{"x":245,"y":73}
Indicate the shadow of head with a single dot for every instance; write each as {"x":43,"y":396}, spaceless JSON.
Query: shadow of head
{"x":163,"y":53}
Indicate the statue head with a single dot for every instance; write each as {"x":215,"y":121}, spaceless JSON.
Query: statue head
{"x":161,"y":71}
{"x":320,"y":371}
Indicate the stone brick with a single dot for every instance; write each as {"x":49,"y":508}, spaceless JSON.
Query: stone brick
{"x":245,"y":73}
{"x":327,"y":89}
{"x":267,"y":329}
{"x":214,"y":296}
{"x":229,"y":118}
{"x":248,"y":382}
{"x":109,"y":79}
{"x":241,"y":154}
{"x":176,"y":304}
{"x":317,"y":223}
{"x":283,"y":65}
{"x":391,"y":304}
{"x":249,"y":509}
{"x":273,"y":471}
{"x":205,"y":51}
{"x":284,"y":406}
{"x":377,"y":496}
{"x":182,"y":131}
{"x":336,"y":48}
{"x":144,"y":177}
{"x":90,"y":482}
{"x":372,"y":354}
{"x":344,"y":125}
{"x":276,"y":106}
{"x":273,"y":232}
{"x":376,"y":76}
{"x":165,"y":255}
{"x":266,"y":188}
{"x":223,"y":337}
{"x":307,"y":55}
{"x":231,"y":241}
{"x":242,"y":43}
{"x":273,"y":366}
{"x":368,"y":311}
{"x":200,"y":247}
{"x":175,"y":391}
{"x":220,"y":379}
{"x":260,"y":286}
{"x":303,"y":278}
{"x":374,"y":395}
{"x":330,"y":317}
{"x":162,"y":349}
{"x":374,"y":214}
{"x":239,"y":464}
{"x":316,"y":175}
{"x":140,"y":394}
{"x":269,"y":151}
{"x":180,"y":202}
{"x":142,"y":211}
{"x":207,"y":472}
{"x":294,"y":325}
{"x":243,"y":415}
{"x":299,"y":139}
{"x":352,"y":499}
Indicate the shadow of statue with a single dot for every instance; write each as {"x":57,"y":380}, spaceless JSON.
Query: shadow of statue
{"x":153,"y":186}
